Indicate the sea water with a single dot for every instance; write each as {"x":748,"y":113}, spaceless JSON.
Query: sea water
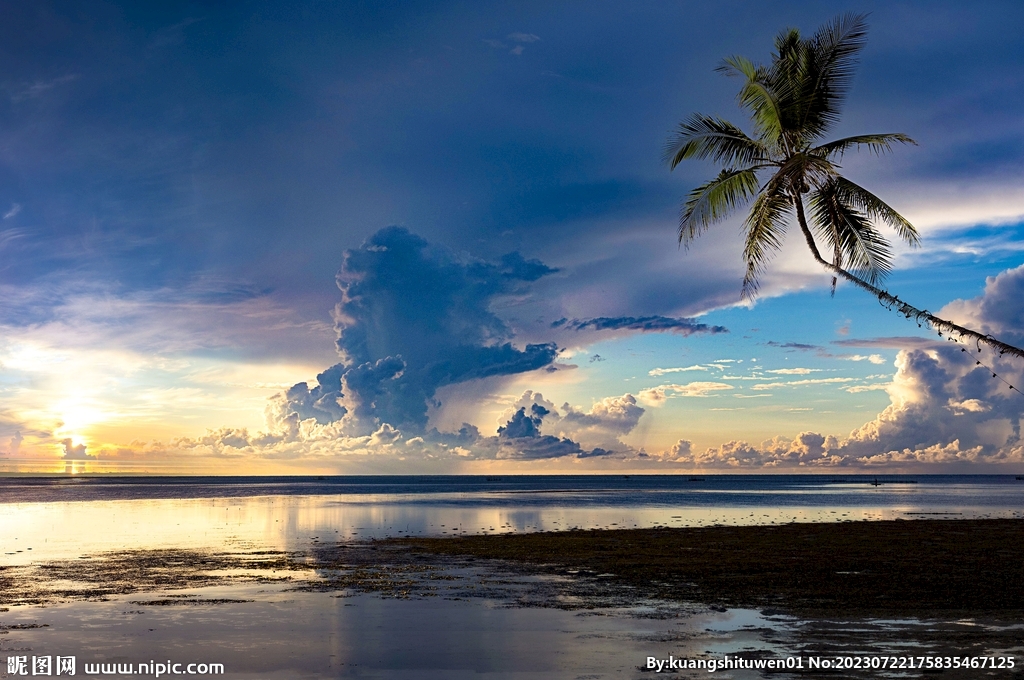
{"x":65,"y":517}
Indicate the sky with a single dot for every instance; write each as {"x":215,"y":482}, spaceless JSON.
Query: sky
{"x":440,"y":237}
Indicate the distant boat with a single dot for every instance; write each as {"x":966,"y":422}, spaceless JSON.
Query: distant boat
{"x":1019,"y":477}
{"x":696,"y":479}
{"x":494,"y":479}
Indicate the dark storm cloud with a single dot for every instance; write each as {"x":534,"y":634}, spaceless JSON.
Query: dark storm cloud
{"x":414,"y":318}
{"x":521,"y":439}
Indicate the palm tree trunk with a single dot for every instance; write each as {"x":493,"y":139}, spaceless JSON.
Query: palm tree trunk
{"x":892,"y":302}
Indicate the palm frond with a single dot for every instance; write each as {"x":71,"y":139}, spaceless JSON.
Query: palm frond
{"x":877,"y":144}
{"x":709,"y":137}
{"x":739,"y":66}
{"x":758,"y":97}
{"x":765,"y":227}
{"x":830,"y":61}
{"x":800,"y":170}
{"x":855,"y":242}
{"x":877,"y":209}
{"x":713,"y":200}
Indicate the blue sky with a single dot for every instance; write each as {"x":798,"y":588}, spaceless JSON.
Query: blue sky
{"x":207,"y":205}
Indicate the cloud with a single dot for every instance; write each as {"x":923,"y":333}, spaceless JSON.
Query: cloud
{"x":533,"y":430}
{"x":873,"y":358}
{"x":644,"y":324}
{"x":606,"y":421}
{"x":413,"y":318}
{"x":73,"y":452}
{"x":680,"y":369}
{"x":655,"y":396}
{"x":801,"y":383}
{"x":40,"y":87}
{"x":945,"y":410}
{"x":948,"y":409}
{"x":600,"y":427}
{"x":15,"y":209}
{"x":893,"y":342}
{"x":792,"y":345}
{"x":999,"y":311}
{"x":523,"y":37}
{"x":520,"y":438}
{"x":171,"y":35}
{"x":854,"y":389}
{"x":793,"y":371}
{"x":939,"y":398}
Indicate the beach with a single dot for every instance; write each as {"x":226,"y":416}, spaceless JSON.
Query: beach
{"x":311,"y":585}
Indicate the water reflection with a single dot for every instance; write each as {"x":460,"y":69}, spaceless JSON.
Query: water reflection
{"x":37,"y":531}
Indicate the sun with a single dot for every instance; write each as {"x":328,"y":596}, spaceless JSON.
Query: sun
{"x":77,"y":417}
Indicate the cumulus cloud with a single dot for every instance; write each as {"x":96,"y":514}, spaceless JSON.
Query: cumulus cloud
{"x":413,"y":318}
{"x":14,"y":445}
{"x":999,"y":311}
{"x":74,"y":452}
{"x":808,"y":448}
{"x":533,"y":430}
{"x":945,"y":409}
{"x":644,"y":324}
{"x":951,"y":407}
{"x":520,"y":438}
{"x":598,"y":429}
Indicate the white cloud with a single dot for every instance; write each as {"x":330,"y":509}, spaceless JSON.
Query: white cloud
{"x":655,"y":396}
{"x":999,"y":310}
{"x":800,"y":383}
{"x":873,"y":358}
{"x":662,"y":371}
{"x":794,"y":371}
{"x":867,"y":388}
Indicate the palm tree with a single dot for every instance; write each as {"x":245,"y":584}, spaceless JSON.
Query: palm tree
{"x":793,"y":102}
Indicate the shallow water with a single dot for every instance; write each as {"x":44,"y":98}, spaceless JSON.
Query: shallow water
{"x":61,"y":518}
{"x":368,"y":637}
{"x":287,"y":634}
